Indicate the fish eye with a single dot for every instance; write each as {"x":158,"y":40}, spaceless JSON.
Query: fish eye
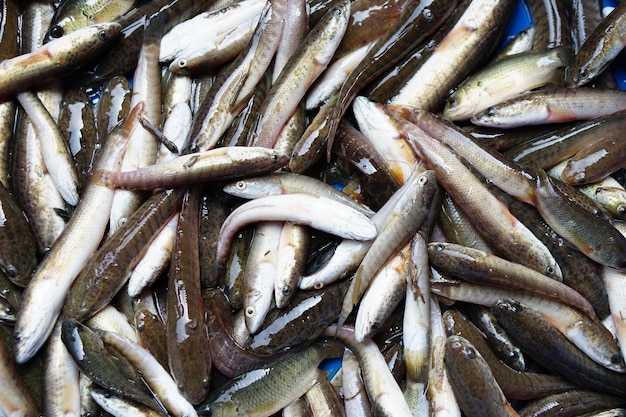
{"x":287,"y":290}
{"x":490,"y":112}
{"x":9,"y":311}
{"x":182,"y":63}
{"x":240,"y":185}
{"x":250,"y":311}
{"x":56,"y":32}
{"x":11,"y":271}
{"x":583,"y":73}
{"x":275,"y":158}
{"x":439,"y":247}
{"x":452,"y":102}
{"x":550,"y":270}
{"x":318,"y":285}
{"x":617,"y":359}
{"x":422,"y":180}
{"x":103,"y":35}
{"x":621,"y":209}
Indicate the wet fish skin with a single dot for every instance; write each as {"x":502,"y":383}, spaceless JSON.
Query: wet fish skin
{"x":55,"y":58}
{"x":91,"y":356}
{"x":473,"y":382}
{"x":541,"y":341}
{"x":601,"y":47}
{"x":595,"y":236}
{"x":18,"y":251}
{"x":81,"y":237}
{"x":266,"y":390}
{"x":72,"y":15}
{"x":186,"y":332}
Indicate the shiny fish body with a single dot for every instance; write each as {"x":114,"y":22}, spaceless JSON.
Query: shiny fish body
{"x":398,"y":229}
{"x":18,"y":252}
{"x":477,"y":266}
{"x":108,"y":269}
{"x":54,"y":149}
{"x":552,"y":106}
{"x":590,"y":336}
{"x":157,"y":378}
{"x":474,"y":35}
{"x":515,"y":384}
{"x":186,"y":330}
{"x":492,"y":214}
{"x":262,"y":392}
{"x":595,"y":236}
{"x":601,"y":47}
{"x":95,"y":361}
{"x":44,"y":297}
{"x":529,"y":328}
{"x":473,"y":382}
{"x":72,"y":15}
{"x":385,"y":394}
{"x":318,"y":212}
{"x":299,"y":73}
{"x":55,"y":58}
{"x":188,"y":36}
{"x":15,"y":398}
{"x":62,"y":397}
{"x":285,"y":182}
{"x":213,"y":165}
{"x":505,"y":79}
{"x":142,"y":147}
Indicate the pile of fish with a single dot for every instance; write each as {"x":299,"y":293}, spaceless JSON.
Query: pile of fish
{"x":206,"y":202}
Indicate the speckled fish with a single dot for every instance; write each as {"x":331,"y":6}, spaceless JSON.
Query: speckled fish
{"x":300,"y":71}
{"x":43,"y":299}
{"x":579,"y":402}
{"x":213,"y":165}
{"x":594,"y":236}
{"x":515,"y":384}
{"x":417,"y":21}
{"x":600,"y":49}
{"x":186,"y":330}
{"x":91,"y":356}
{"x":300,"y":322}
{"x":264,"y":391}
{"x":398,"y":229}
{"x":506,"y":79}
{"x":473,"y":382}
{"x":72,"y":15}
{"x":18,"y":252}
{"x":496,"y":336}
{"x":385,"y":395}
{"x":609,"y":194}
{"x":108,"y":269}
{"x":486,"y":210}
{"x":504,"y":174}
{"x":56,"y":58}
{"x":473,"y":36}
{"x":477,"y":266}
{"x":155,"y":376}
{"x":62,"y":387}
{"x":552,"y":106}
{"x":595,"y":162}
{"x":210,"y":39}
{"x":590,"y":336}
{"x":54,"y":150}
{"x":550,"y":348}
